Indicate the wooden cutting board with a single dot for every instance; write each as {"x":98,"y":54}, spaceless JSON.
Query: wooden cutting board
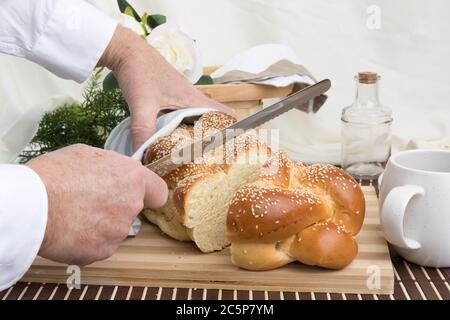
{"x":153,"y":259}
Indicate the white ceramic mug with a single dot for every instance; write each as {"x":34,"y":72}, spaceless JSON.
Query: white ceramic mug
{"x":415,"y":206}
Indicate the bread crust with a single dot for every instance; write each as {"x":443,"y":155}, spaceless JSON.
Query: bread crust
{"x":308,"y":213}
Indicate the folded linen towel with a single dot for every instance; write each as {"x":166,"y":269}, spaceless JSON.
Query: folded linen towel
{"x":268,"y":64}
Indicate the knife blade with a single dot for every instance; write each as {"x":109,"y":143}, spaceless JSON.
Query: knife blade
{"x":195,"y":150}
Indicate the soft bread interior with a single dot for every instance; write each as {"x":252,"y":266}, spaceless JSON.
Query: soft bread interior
{"x":206,"y":205}
{"x":208,"y":201}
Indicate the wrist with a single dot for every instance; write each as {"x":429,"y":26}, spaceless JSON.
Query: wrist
{"x":38,"y":171}
{"x":125,"y":44}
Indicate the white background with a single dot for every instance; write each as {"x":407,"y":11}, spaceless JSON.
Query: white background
{"x":411,"y":51}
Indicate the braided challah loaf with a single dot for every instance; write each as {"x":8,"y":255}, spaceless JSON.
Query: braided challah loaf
{"x":308,"y":213}
{"x":271,"y":210}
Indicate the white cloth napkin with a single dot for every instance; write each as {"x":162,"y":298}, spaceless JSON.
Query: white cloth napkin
{"x":120,"y":138}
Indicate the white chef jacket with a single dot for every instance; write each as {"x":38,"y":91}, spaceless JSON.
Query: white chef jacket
{"x":68,"y":38}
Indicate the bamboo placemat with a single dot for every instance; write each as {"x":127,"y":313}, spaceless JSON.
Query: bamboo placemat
{"x":411,"y":282}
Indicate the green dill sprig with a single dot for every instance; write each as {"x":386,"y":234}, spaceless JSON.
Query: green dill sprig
{"x":88,"y":122}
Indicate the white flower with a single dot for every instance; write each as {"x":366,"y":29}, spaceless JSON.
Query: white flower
{"x":178,"y":49}
{"x":129,"y":22}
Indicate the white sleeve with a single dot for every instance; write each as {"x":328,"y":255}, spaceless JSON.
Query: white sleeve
{"x":67,"y":37}
{"x":23,"y":218}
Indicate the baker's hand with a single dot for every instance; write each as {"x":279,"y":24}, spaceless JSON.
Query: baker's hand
{"x":93,"y":197}
{"x":149,"y":83}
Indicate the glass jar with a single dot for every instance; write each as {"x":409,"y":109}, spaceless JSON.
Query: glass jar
{"x":366,"y":130}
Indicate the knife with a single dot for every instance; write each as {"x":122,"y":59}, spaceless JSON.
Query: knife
{"x":195,"y":150}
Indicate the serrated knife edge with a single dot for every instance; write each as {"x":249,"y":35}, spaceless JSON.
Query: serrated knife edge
{"x":196,"y":149}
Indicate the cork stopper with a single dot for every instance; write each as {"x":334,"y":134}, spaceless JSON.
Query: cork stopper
{"x":368,"y":77}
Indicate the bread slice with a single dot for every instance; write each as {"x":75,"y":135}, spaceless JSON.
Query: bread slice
{"x":200,"y":194}
{"x":166,"y":218}
{"x":202,"y":202}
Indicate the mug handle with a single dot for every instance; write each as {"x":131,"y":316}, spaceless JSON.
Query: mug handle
{"x":393,"y":215}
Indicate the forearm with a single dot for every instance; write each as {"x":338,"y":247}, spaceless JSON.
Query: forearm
{"x":125,"y":46}
{"x":136,"y":64}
